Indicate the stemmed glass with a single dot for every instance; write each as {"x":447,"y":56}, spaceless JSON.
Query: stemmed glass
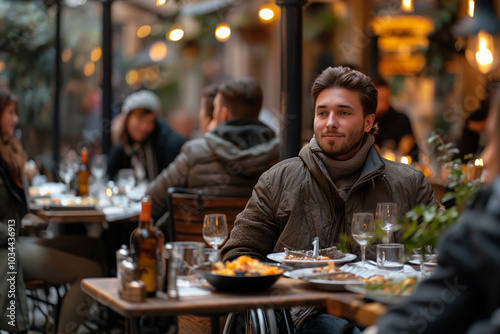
{"x":126,"y":181}
{"x":215,"y":231}
{"x":387,"y":215}
{"x":67,"y":171}
{"x":362,"y":230}
{"x":98,"y":166}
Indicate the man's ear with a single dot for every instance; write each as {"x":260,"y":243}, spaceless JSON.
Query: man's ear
{"x":369,"y":120}
{"x":225,"y":114}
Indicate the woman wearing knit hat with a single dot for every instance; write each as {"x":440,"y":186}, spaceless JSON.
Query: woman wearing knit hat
{"x":147,"y":144}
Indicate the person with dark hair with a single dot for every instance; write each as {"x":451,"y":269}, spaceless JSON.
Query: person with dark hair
{"x":147,"y":144}
{"x":338,"y":173}
{"x":29,"y":259}
{"x":469,"y":143}
{"x":463,"y":294}
{"x":207,"y":108}
{"x":394,"y":127}
{"x":230,"y":157}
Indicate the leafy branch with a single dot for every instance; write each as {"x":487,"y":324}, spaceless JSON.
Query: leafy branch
{"x":423,"y":225}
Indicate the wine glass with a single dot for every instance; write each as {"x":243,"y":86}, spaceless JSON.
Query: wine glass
{"x":98,"y":166}
{"x":67,"y":171}
{"x":362,"y":230}
{"x":125,"y":182}
{"x":387,"y":215}
{"x":215,"y":231}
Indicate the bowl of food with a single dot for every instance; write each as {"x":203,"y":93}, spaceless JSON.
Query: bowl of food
{"x":243,"y":275}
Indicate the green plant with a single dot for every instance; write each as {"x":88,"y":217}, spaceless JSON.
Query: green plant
{"x":423,"y":225}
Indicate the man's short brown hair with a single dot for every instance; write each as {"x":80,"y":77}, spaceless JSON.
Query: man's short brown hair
{"x":345,"y":77}
{"x":243,"y":97}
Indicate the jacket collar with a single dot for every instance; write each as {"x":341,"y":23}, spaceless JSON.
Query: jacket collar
{"x":373,"y":166}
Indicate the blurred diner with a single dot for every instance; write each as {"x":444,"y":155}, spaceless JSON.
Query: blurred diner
{"x":339,"y":173}
{"x":394,"y":128}
{"x":147,"y":144}
{"x":58,"y":261}
{"x":230,"y":157}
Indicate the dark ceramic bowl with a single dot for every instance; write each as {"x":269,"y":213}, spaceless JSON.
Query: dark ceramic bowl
{"x":241,"y":283}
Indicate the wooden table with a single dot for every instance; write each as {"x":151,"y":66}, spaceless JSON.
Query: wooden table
{"x":285,"y":293}
{"x":82,"y":216}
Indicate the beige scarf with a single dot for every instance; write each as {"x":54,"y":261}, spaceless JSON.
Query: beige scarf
{"x":344,"y":173}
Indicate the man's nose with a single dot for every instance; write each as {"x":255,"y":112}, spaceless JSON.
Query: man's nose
{"x":332,"y":121}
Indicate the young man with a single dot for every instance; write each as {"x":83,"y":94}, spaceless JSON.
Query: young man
{"x":337,"y":174}
{"x":230,"y":157}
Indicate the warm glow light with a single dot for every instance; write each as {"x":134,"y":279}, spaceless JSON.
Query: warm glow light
{"x":266,"y":14}
{"x":222,"y":32}
{"x":96,"y":54}
{"x":2,"y":66}
{"x":161,"y":2}
{"x":176,"y":34}
{"x":484,"y":56}
{"x":389,"y":155}
{"x":132,"y":77}
{"x":66,"y":55}
{"x":471,"y":8}
{"x":478,"y":162}
{"x":109,"y":192}
{"x":406,"y":160}
{"x":89,"y":69}
{"x":143,"y":31}
{"x":407,"y":5}
{"x":158,"y":51}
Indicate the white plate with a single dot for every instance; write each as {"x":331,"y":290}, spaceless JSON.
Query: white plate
{"x":376,"y":296}
{"x":280,"y":257}
{"x":328,"y":285}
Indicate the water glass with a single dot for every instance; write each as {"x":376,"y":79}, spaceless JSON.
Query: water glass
{"x":391,"y":256}
{"x":182,"y":260}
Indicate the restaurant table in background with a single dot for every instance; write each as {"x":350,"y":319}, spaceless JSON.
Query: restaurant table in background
{"x":285,"y":293}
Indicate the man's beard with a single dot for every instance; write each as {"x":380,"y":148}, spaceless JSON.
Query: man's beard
{"x":352,"y":142}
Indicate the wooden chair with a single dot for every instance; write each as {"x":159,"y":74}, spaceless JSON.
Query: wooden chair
{"x":188,"y":207}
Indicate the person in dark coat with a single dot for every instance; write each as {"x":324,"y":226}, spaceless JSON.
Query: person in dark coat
{"x":147,"y":144}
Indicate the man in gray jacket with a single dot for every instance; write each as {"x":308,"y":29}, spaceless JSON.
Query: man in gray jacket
{"x":231,"y":157}
{"x":338,"y":173}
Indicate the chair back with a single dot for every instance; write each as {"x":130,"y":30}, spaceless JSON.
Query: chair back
{"x":188,"y":207}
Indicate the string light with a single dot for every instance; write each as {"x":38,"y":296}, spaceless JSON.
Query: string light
{"x":158,"y":51}
{"x":407,"y":6}
{"x":222,"y":32}
{"x":161,"y":2}
{"x":266,"y":14}
{"x":176,"y":34}
{"x":143,"y":31}
{"x":96,"y":54}
{"x":471,"y":8}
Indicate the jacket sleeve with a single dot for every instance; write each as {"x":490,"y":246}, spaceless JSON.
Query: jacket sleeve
{"x":175,"y":175}
{"x":464,"y":288}
{"x":255,"y":230}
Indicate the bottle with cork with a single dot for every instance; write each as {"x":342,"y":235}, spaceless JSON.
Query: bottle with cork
{"x":145,"y":246}
{"x":83,"y":174}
